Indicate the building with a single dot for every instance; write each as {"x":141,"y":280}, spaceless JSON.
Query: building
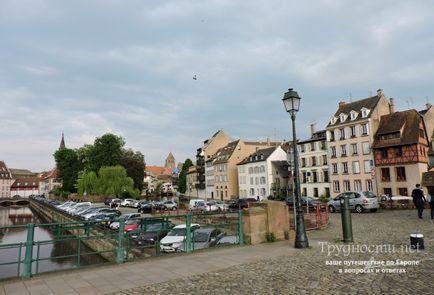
{"x":401,"y":152}
{"x":160,"y":174}
{"x":428,"y":117}
{"x":205,"y":185}
{"x":6,"y":181}
{"x":191,"y":180}
{"x":225,"y":166}
{"x":350,"y":134}
{"x":21,"y":173}
{"x":48,"y":181}
{"x":24,"y":187}
{"x":314,"y":165}
{"x":260,"y":173}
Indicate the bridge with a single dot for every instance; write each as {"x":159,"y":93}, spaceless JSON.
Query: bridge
{"x":14,"y":202}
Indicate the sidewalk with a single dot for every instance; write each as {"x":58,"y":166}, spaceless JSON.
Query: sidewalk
{"x":114,"y":278}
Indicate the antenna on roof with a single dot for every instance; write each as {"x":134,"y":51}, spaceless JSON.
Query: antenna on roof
{"x":351,"y":97}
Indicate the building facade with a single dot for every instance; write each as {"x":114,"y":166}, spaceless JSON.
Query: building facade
{"x":314,"y":165}
{"x":401,"y":152}
{"x":350,"y":134}
{"x":6,"y":181}
{"x":24,"y":187}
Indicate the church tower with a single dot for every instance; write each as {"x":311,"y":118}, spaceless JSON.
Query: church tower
{"x":170,"y":161}
{"x":62,"y":143}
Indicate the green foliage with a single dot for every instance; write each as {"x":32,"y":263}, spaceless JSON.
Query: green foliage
{"x":87,"y":183}
{"x":182,"y":182}
{"x":159,"y":189}
{"x":106,"y":151}
{"x":60,"y":193}
{"x":84,"y":154}
{"x":270,"y":237}
{"x":134,"y":163}
{"x":324,"y":198}
{"x":68,"y":166}
{"x":113,"y":181}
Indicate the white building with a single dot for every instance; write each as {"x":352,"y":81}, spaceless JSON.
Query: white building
{"x":5,"y":181}
{"x":258,"y":172}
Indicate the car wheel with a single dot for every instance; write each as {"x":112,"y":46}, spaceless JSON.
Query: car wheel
{"x":359,"y":209}
{"x":332,"y":209}
{"x":173,"y":208}
{"x":374,"y":210}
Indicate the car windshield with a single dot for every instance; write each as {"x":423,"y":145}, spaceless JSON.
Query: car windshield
{"x":200,"y":237}
{"x":154,"y":227}
{"x":177,"y":232}
{"x":369,"y":195}
{"x":132,"y":221}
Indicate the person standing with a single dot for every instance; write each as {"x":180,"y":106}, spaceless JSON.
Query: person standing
{"x":431,"y":200}
{"x":418,"y":200}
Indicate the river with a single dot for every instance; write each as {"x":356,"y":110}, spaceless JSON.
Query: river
{"x":12,"y":216}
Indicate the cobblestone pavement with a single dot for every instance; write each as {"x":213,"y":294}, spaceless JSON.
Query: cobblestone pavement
{"x":382,"y":237}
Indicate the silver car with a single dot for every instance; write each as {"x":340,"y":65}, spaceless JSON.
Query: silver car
{"x":359,"y":201}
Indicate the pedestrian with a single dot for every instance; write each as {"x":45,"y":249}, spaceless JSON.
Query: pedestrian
{"x":431,"y":200}
{"x":418,"y":200}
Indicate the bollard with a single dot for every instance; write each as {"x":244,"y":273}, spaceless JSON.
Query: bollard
{"x":188,"y":234}
{"x":347,"y":227}
{"x":416,"y":241}
{"x":28,"y":258}
{"x":240,"y":228}
{"x":120,"y":249}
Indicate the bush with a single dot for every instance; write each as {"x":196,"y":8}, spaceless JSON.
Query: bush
{"x":270,"y":237}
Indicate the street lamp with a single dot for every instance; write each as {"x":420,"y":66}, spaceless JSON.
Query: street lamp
{"x":291,"y":100}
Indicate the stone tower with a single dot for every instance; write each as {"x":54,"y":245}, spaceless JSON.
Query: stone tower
{"x":170,"y":161}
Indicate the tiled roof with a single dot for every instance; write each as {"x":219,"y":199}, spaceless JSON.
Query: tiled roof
{"x":317,"y":136}
{"x":158,"y":170}
{"x":226,"y":152}
{"x":25,"y":182}
{"x":17,"y":173}
{"x":345,"y":108}
{"x":258,"y":156}
{"x":405,"y":126}
{"x":4,"y":172}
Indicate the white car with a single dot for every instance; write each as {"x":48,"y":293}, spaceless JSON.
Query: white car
{"x":127,"y":202}
{"x":175,"y":239}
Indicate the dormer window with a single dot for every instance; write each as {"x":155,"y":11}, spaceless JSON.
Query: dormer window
{"x":342,"y":117}
{"x":353,"y":115}
{"x":365,"y":112}
{"x":333,"y":120}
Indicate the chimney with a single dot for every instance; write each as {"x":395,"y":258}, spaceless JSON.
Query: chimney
{"x":268,"y":141}
{"x":312,"y":129}
{"x":341,"y":103}
{"x":392,"y":105}
{"x":380,"y":92}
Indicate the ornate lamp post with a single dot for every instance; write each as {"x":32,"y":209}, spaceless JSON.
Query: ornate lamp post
{"x":291,"y":100}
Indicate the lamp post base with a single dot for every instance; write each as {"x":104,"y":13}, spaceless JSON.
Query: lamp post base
{"x":301,"y":244}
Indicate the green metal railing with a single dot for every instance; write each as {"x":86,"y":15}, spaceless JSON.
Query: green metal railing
{"x":114,"y":246}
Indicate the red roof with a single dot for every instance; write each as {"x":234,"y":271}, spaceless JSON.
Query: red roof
{"x":27,"y":182}
{"x":158,"y":170}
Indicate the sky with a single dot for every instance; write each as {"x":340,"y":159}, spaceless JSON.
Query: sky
{"x":89,"y":67}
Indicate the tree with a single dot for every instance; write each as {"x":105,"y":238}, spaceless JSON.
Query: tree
{"x":84,"y":154}
{"x":113,"y":181}
{"x":87,"y":183}
{"x":182,"y":181}
{"x":106,"y":151}
{"x":68,"y":166}
{"x":134,"y":163}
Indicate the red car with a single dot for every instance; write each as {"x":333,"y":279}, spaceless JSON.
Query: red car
{"x":131,"y":224}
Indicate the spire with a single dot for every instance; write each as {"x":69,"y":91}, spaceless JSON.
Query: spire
{"x":62,"y":143}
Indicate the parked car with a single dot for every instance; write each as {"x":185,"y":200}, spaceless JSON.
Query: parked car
{"x":101,"y":211}
{"x":222,"y":205}
{"x":131,"y":224}
{"x":193,"y":202}
{"x":206,"y":207}
{"x":304,"y":201}
{"x":103,"y":218}
{"x":229,"y":240}
{"x":358,"y":201}
{"x":170,"y":205}
{"x":108,"y":201}
{"x":145,"y":208}
{"x":205,"y":238}
{"x":115,"y":224}
{"x":238,"y":204}
{"x":174,"y":240}
{"x":153,"y":233}
{"x":115,"y":203}
{"x":127,"y":202}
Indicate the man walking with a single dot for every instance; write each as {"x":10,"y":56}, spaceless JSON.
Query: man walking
{"x":418,"y":200}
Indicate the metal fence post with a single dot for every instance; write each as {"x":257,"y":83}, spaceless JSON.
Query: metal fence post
{"x":120,"y":244}
{"x":27,"y":272}
{"x":188,"y":234}
{"x":347,"y":227}
{"x":240,"y":227}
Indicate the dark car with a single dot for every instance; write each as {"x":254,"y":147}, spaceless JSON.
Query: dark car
{"x":238,"y":204}
{"x":304,"y":201}
{"x":108,"y":201}
{"x":153,"y":233}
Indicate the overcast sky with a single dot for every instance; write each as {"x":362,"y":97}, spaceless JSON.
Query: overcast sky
{"x":90,"y":67}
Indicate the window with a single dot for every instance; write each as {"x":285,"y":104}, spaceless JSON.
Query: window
{"x":387,"y":191}
{"x":356,"y":167}
{"x":303,"y":176}
{"x":303,"y":162}
{"x":313,"y":161}
{"x":353,"y":131}
{"x":312,"y":146}
{"x":342,"y":132}
{"x":256,"y":180}
{"x":323,"y":145}
{"x":332,"y":135}
{"x":403,"y":191}
{"x":365,"y":147}
{"x":369,"y":186}
{"x":302,"y":148}
{"x":256,"y":170}
{"x":324,"y":159}
{"x":364,"y":128}
{"x":336,"y":186}
{"x":262,"y":180}
{"x":342,"y":117}
{"x":385,"y":174}
{"x":398,"y":152}
{"x":367,"y":164}
{"x":252,"y":192}
{"x":262,"y":169}
{"x":365,"y":112}
{"x":335,"y":168}
{"x":345,"y":167}
{"x":314,"y":176}
{"x":262,"y":191}
{"x":353,"y":115}
{"x":347,"y":186}
{"x":358,"y":185}
{"x":315,"y":192}
{"x":333,"y":151}
{"x":354,"y":149}
{"x":326,"y":176}
{"x":400,"y":174}
{"x":343,"y":150}
{"x":383,"y":153}
{"x":251,"y":170}
{"x":251,"y":180}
